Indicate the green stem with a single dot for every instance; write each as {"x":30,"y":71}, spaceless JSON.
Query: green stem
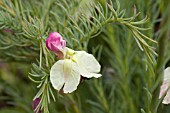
{"x":160,"y":63}
{"x":159,"y":73}
{"x":41,"y":51}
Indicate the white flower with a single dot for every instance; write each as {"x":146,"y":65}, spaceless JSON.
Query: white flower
{"x":165,"y":85}
{"x":66,"y":73}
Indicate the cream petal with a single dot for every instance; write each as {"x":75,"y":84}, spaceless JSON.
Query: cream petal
{"x":164,"y":88}
{"x":67,"y":72}
{"x":167,"y":74}
{"x":89,"y":75}
{"x":72,"y":76}
{"x":63,"y":73}
{"x":87,"y":61}
{"x":57,"y":75}
{"x":167,"y":98}
{"x":67,"y":68}
{"x":84,"y":72}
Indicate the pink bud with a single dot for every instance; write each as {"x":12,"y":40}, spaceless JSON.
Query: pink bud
{"x":7,"y":31}
{"x":56,"y":44}
{"x":35,"y":104}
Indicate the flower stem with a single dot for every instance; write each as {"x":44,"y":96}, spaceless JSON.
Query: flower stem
{"x":41,"y":52}
{"x":160,"y":63}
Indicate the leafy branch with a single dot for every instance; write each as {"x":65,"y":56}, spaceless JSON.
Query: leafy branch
{"x":45,"y":91}
{"x":84,"y":28}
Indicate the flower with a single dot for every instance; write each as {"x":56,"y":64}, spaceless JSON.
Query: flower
{"x":7,"y":31}
{"x":35,"y":104}
{"x":66,"y":74}
{"x":56,"y":44}
{"x":165,"y":87}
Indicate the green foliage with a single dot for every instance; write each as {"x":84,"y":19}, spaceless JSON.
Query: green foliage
{"x":120,"y":40}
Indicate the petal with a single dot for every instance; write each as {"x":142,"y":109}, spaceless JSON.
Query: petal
{"x":35,"y":104}
{"x":84,"y":72}
{"x":87,"y":74}
{"x":87,"y":61}
{"x":57,"y":75}
{"x":48,"y":45}
{"x":167,"y":74}
{"x":63,"y":43}
{"x":67,"y":68}
{"x":164,"y":88}
{"x":72,"y":76}
{"x":167,"y":98}
{"x":54,"y":35}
